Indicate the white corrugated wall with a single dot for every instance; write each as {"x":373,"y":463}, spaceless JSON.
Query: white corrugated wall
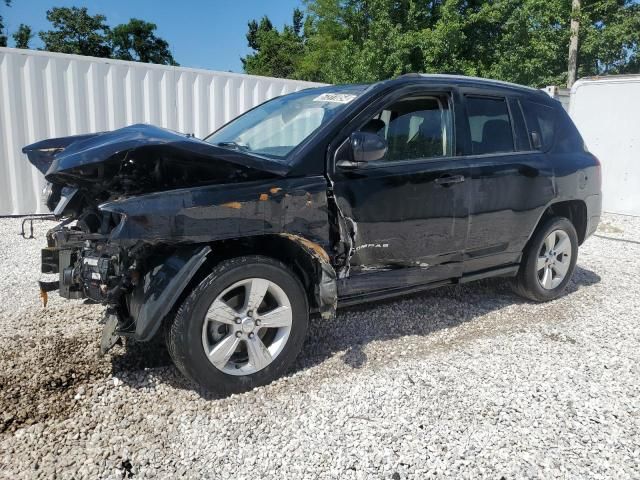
{"x":44,"y":95}
{"x":606,"y":110}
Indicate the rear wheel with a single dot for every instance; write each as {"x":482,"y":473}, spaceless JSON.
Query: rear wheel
{"x":548,"y":261}
{"x":241,"y":327}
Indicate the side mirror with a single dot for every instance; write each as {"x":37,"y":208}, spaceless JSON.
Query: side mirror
{"x":365,"y":147}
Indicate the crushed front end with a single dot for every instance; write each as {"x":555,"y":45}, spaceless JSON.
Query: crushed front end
{"x":138,"y":283}
{"x":141,"y":207}
{"x":89,"y":265}
{"x":92,"y":251}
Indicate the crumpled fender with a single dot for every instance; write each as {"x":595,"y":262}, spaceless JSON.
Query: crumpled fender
{"x":162,"y":285}
{"x":217,"y":212}
{"x":292,"y":208}
{"x":327,"y":287}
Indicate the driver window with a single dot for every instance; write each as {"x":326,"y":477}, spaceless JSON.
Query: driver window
{"x":414,"y":128}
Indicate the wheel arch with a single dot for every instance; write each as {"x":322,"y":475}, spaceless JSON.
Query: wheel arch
{"x":574,"y":210}
{"x":307,"y":260}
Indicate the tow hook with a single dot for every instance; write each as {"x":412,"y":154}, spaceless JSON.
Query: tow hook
{"x":109,"y":336}
{"x":31,"y":219}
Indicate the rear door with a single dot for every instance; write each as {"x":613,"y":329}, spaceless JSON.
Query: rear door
{"x":510,"y":179}
{"x":410,"y":209}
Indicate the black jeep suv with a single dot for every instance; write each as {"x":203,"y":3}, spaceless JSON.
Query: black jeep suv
{"x":318,"y":199}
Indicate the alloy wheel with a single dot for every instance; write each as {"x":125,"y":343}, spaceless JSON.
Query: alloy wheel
{"x":247,"y":326}
{"x":554,"y":259}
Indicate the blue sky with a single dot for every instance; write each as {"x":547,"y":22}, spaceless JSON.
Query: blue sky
{"x":202,"y":34}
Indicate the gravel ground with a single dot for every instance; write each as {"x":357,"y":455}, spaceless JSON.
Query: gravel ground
{"x":460,"y":382}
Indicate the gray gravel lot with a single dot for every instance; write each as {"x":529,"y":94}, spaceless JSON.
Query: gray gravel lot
{"x":460,"y":382}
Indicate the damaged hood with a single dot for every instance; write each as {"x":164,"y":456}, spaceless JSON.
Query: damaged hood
{"x":69,"y":154}
{"x":86,"y":170}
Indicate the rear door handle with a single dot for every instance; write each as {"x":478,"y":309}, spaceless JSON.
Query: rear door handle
{"x":447,"y":180}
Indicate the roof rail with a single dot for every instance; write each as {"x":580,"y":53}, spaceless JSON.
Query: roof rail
{"x":448,"y":76}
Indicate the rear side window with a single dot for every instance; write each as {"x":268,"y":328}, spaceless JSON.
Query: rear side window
{"x":540,"y":124}
{"x":489,"y":125}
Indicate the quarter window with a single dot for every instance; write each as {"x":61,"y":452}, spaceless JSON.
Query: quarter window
{"x":414,"y":128}
{"x":489,"y":125}
{"x":540,"y":123}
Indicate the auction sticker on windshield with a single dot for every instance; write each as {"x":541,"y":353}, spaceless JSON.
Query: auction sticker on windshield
{"x":335,"y":97}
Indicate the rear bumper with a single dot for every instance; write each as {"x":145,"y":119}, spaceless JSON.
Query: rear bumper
{"x":594,"y":210}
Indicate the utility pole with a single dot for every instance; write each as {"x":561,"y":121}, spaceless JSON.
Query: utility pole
{"x":573,"y":43}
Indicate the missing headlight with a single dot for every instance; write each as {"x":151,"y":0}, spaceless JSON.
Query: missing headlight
{"x":51,"y":195}
{"x":66,"y":197}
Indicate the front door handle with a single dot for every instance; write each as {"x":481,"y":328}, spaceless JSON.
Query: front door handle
{"x":447,"y":180}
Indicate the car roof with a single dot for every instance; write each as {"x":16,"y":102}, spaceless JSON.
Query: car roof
{"x":434,"y":78}
{"x":458,"y":80}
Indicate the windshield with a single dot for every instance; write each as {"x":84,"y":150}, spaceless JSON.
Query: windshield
{"x":275,"y":128}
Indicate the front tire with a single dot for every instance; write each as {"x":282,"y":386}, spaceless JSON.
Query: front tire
{"x":548,"y":261}
{"x":241,"y":327}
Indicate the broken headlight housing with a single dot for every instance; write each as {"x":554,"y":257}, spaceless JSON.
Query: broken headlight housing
{"x":50,"y":196}
{"x":66,"y":200}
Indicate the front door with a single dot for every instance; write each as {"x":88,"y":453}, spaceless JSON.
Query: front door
{"x":409,"y":209}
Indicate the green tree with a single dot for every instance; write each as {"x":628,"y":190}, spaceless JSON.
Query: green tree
{"x":137,"y":41}
{"x":524,"y":41}
{"x":77,"y":32}
{"x":23,"y":36}
{"x":276,"y":53}
{"x":255,"y":29}
{"x":3,"y":36}
{"x":609,"y":37}
{"x":366,"y":40}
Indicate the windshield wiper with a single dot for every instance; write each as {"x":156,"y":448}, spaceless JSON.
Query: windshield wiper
{"x":235,"y":145}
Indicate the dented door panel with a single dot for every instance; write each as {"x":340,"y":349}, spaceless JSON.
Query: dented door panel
{"x":405,"y":220}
